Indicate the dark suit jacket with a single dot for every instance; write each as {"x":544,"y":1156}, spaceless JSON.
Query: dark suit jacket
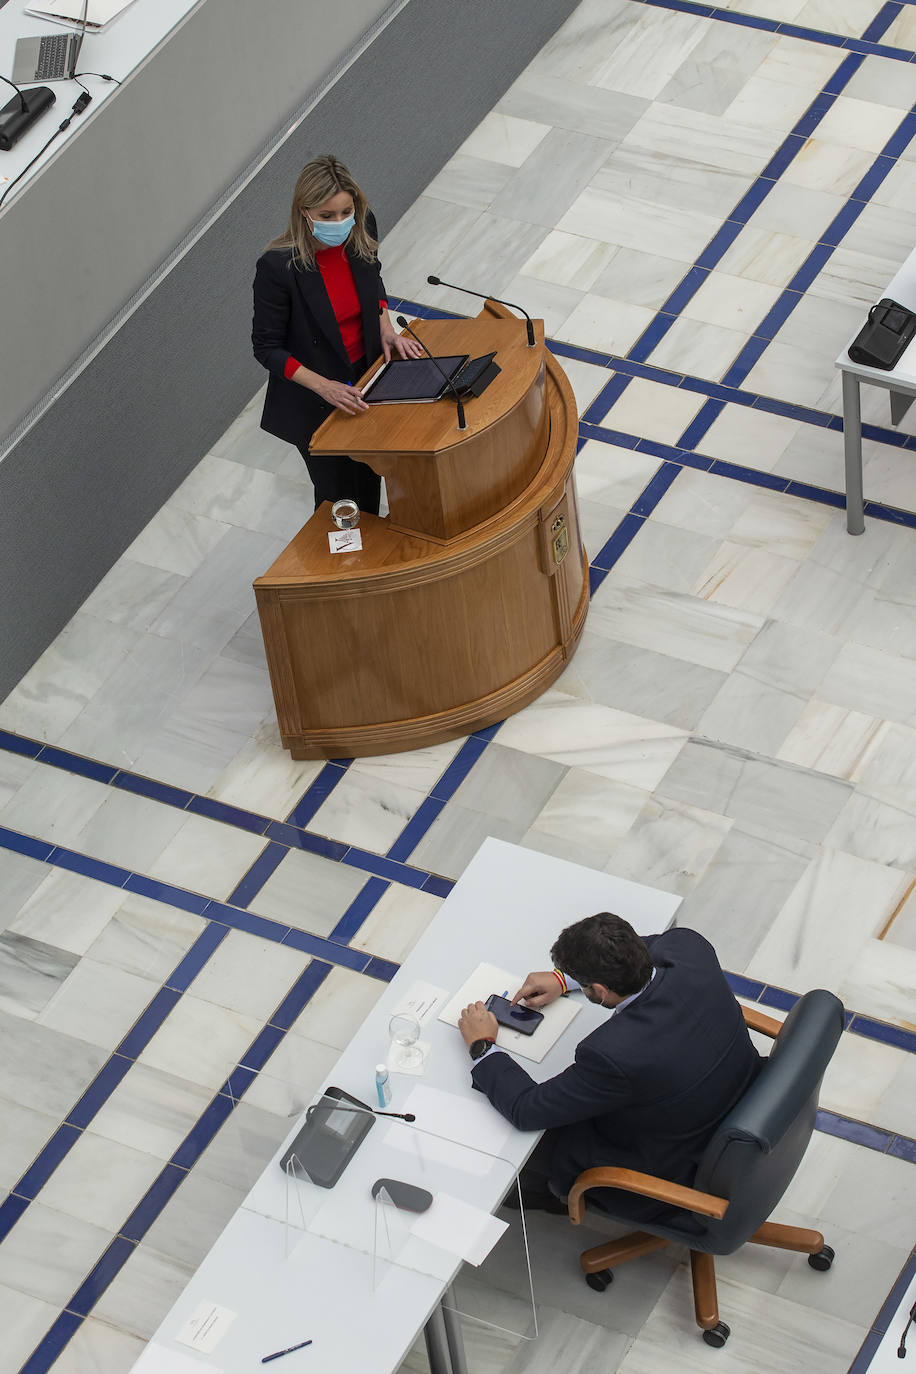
{"x":649,"y":1086}
{"x":293,"y":317}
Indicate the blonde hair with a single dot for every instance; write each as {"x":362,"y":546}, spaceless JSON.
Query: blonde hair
{"x":318,"y":181}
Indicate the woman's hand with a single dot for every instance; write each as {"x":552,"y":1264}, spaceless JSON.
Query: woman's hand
{"x":338,"y":394}
{"x":395,"y":344}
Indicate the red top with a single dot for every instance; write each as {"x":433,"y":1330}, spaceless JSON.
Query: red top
{"x":337,"y":275}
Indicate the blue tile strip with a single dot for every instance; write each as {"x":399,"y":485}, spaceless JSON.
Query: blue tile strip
{"x":187,"y":969}
{"x":11,"y":1209}
{"x":264,"y":867}
{"x":37,"y":1175}
{"x":318,"y":793}
{"x":46,"y":1352}
{"x":359,"y":910}
{"x":98,"y":1279}
{"x":866,"y":1353}
{"x":98,"y":1091}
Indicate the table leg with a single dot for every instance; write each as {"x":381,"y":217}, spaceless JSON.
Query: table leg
{"x":438,"y":1350}
{"x":852,"y":440}
{"x":900,"y":404}
{"x":453,"y":1335}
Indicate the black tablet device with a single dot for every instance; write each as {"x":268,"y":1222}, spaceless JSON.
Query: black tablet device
{"x":329,"y":1139}
{"x":413,"y":379}
{"x":473,"y":371}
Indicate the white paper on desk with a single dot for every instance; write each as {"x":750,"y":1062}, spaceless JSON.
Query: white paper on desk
{"x":468,"y":1121}
{"x":422,"y":999}
{"x":459,"y":1228}
{"x":487,"y":979}
{"x":206,"y":1327}
{"x":159,"y":1359}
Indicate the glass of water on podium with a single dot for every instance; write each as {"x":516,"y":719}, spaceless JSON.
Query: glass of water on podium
{"x":345,"y":513}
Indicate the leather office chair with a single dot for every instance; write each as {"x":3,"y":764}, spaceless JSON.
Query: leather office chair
{"x":745,"y":1169}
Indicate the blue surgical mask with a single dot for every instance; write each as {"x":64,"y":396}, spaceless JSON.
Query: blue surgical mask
{"x":332,"y":233}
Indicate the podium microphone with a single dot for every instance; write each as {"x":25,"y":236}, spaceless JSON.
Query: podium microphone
{"x":437,"y":281}
{"x":462,"y":423}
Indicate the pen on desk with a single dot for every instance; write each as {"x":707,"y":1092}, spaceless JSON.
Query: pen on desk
{"x":288,"y":1351}
{"x":506,"y":993}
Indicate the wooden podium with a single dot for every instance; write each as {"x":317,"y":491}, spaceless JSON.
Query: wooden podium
{"x":468,"y":600}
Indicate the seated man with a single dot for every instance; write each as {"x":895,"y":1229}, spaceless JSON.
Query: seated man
{"x":647,"y":1087}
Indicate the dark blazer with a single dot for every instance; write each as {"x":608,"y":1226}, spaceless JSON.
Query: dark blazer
{"x":293,"y":317}
{"x":649,"y":1086}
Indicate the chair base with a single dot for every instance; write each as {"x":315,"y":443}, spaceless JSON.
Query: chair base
{"x":702,"y":1265}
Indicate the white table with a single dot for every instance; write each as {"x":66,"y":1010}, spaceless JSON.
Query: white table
{"x":119,"y":50}
{"x":507,"y":909}
{"x":900,"y":382}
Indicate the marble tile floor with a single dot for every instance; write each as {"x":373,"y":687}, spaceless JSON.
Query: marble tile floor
{"x":737,"y":725}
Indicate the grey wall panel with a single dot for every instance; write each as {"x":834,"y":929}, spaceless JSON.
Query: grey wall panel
{"x":82,"y":482}
{"x":146,"y":166}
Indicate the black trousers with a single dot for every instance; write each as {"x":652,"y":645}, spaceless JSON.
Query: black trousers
{"x":337,"y":476}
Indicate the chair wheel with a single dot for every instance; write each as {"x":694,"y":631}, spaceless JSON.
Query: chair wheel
{"x":822,"y":1260}
{"x":717,"y":1335}
{"x":599,"y":1281}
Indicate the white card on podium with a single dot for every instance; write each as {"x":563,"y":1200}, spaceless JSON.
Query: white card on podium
{"x":345,"y":541}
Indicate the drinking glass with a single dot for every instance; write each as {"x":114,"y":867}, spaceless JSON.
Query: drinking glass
{"x":345,"y":513}
{"x":404,"y":1030}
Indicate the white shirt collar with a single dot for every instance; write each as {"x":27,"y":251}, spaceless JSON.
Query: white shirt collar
{"x":633,"y":995}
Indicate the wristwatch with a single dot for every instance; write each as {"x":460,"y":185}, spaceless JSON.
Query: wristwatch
{"x":478,"y":1048}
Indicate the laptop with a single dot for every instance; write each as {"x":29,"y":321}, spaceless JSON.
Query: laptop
{"x":52,"y":57}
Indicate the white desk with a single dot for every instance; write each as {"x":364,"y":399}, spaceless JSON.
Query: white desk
{"x":123,"y":47}
{"x":507,"y":909}
{"x":900,"y":382}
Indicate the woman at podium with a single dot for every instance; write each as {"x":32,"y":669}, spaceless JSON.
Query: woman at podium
{"x":320,"y":316}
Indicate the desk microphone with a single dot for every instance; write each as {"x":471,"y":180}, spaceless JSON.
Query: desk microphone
{"x":437,"y":281}
{"x":462,"y":423}
{"x":361,"y":1111}
{"x":901,"y":1348}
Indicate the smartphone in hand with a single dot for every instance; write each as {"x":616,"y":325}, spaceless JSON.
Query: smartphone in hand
{"x":518,"y":1018}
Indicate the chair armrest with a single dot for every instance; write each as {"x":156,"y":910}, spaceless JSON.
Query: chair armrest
{"x":759,"y":1021}
{"x":647,"y":1185}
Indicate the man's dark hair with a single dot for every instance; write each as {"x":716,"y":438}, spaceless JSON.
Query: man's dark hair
{"x":603,"y":949}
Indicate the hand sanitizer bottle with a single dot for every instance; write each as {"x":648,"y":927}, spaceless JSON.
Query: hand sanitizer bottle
{"x":382,"y":1085}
